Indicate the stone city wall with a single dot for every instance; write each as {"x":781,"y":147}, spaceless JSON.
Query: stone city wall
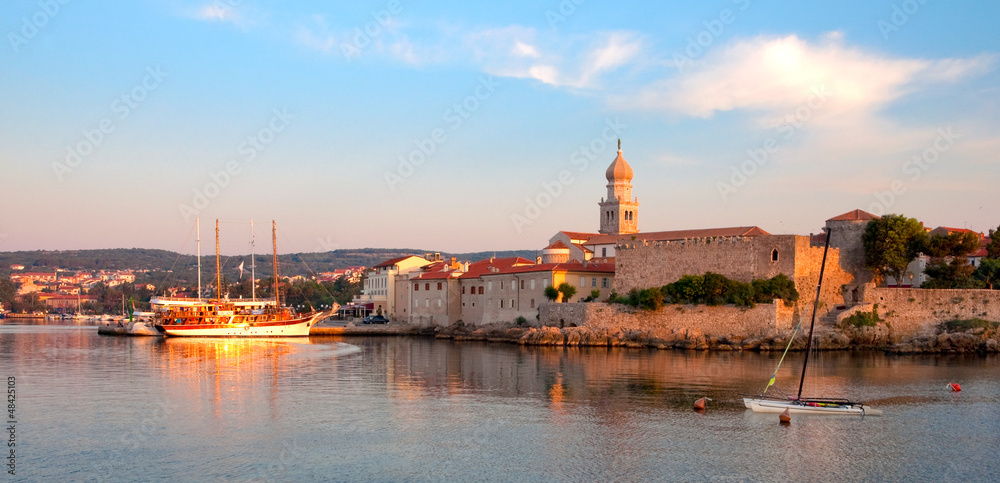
{"x":641,"y":264}
{"x":672,"y":320}
{"x":912,"y":311}
{"x":644,"y":264}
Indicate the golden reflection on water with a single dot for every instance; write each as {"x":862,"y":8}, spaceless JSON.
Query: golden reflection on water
{"x":227,"y":372}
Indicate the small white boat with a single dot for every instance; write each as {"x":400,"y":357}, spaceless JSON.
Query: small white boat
{"x":799,"y":404}
{"x":822,"y":406}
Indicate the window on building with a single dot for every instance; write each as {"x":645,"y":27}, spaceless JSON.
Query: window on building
{"x":604,"y":252}
{"x":489,"y":285}
{"x":604,"y":282}
{"x":511,"y":303}
{"x":427,"y":286}
{"x":774,"y":255}
{"x":583,"y":281}
{"x":480,"y":290}
{"x":439,"y":302}
{"x":416,"y":303}
{"x":532,"y":303}
{"x":522,"y":284}
{"x":501,"y":285}
{"x":593,"y":282}
{"x":501,"y":303}
{"x":463,"y":290}
{"x":416,"y":287}
{"x":532,"y":284}
{"x":439,"y":285}
{"x":427,"y":302}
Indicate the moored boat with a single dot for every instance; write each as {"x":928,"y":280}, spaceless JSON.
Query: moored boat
{"x":234,"y":318}
{"x":798,"y":404}
{"x":224,"y":317}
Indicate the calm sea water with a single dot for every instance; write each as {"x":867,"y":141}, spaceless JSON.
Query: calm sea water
{"x":96,"y":408}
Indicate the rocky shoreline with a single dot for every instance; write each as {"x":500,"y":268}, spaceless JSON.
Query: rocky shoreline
{"x":977,"y":340}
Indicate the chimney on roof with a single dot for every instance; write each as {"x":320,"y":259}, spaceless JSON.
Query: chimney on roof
{"x":538,"y":260}
{"x":437,"y":257}
{"x":453,"y":260}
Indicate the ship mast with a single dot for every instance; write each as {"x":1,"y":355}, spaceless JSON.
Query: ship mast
{"x":197,"y":222}
{"x":218,"y":265}
{"x":274,"y":241}
{"x":253,"y":277}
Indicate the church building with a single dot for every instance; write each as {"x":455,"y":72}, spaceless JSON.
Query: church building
{"x":744,"y":253}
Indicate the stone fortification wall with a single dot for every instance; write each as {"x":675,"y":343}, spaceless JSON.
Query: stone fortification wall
{"x":836,"y":280}
{"x":644,"y":264}
{"x":846,"y":236}
{"x":672,"y":320}
{"x":912,"y":311}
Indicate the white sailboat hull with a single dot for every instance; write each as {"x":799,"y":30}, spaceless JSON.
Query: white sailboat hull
{"x":762,"y":405}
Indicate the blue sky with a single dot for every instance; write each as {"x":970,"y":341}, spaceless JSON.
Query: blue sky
{"x":461,"y":126}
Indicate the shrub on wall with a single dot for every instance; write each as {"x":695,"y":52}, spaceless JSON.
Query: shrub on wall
{"x":711,"y":289}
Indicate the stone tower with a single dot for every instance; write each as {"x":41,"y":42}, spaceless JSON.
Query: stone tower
{"x":619,"y":212}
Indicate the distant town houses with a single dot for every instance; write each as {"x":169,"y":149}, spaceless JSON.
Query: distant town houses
{"x":68,"y":282}
{"x":350,"y":274}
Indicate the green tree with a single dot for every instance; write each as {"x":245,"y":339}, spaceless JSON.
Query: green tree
{"x":551,"y":293}
{"x":891,"y":243}
{"x":956,"y":273}
{"x":594,"y":295}
{"x":567,"y":291}
{"x":8,"y":291}
{"x":948,"y":266}
{"x":993,"y":248}
{"x":958,"y":244}
{"x":988,"y":272}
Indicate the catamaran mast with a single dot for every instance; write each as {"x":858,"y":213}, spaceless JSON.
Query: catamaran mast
{"x":274,"y":241}
{"x":197,"y":222}
{"x":253,"y":277}
{"x":812,"y":324}
{"x":218,"y":265}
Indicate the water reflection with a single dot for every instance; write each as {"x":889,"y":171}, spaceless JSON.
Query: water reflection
{"x":419,"y":409}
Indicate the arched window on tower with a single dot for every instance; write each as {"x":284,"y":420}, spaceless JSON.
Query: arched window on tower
{"x":774,"y":255}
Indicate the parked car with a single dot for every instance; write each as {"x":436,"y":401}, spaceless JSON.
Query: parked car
{"x":375,"y":319}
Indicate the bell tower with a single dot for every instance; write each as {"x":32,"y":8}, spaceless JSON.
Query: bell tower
{"x":619,"y":212}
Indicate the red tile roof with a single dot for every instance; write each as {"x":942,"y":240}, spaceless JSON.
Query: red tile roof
{"x":485,"y":266}
{"x":679,"y":234}
{"x":955,"y":230}
{"x":573,"y":266}
{"x":437,"y":275}
{"x":389,"y":263}
{"x":854,"y":215}
{"x":557,"y":245}
{"x":576,"y":235}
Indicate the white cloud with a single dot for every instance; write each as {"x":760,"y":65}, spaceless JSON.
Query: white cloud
{"x":774,"y":74}
{"x":223,"y":12}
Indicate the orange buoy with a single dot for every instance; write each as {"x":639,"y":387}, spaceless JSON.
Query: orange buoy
{"x":699,"y":405}
{"x":785,"y":417}
{"x":955,"y":387}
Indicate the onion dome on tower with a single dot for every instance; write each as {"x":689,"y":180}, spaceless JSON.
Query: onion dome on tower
{"x":620,"y":212}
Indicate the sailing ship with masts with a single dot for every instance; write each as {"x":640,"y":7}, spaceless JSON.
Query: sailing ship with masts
{"x":225,"y":317}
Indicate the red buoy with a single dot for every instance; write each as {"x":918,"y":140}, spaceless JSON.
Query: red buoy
{"x":785,"y":417}
{"x":955,"y":387}
{"x":699,"y":405}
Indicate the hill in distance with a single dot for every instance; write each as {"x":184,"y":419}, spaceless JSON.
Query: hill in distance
{"x":185,"y":266}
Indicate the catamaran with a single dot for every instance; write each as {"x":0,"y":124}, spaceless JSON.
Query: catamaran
{"x":224,"y":317}
{"x":764,"y":403}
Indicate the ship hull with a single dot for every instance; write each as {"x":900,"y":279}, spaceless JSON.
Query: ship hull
{"x":282,"y":328}
{"x":763,"y":405}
